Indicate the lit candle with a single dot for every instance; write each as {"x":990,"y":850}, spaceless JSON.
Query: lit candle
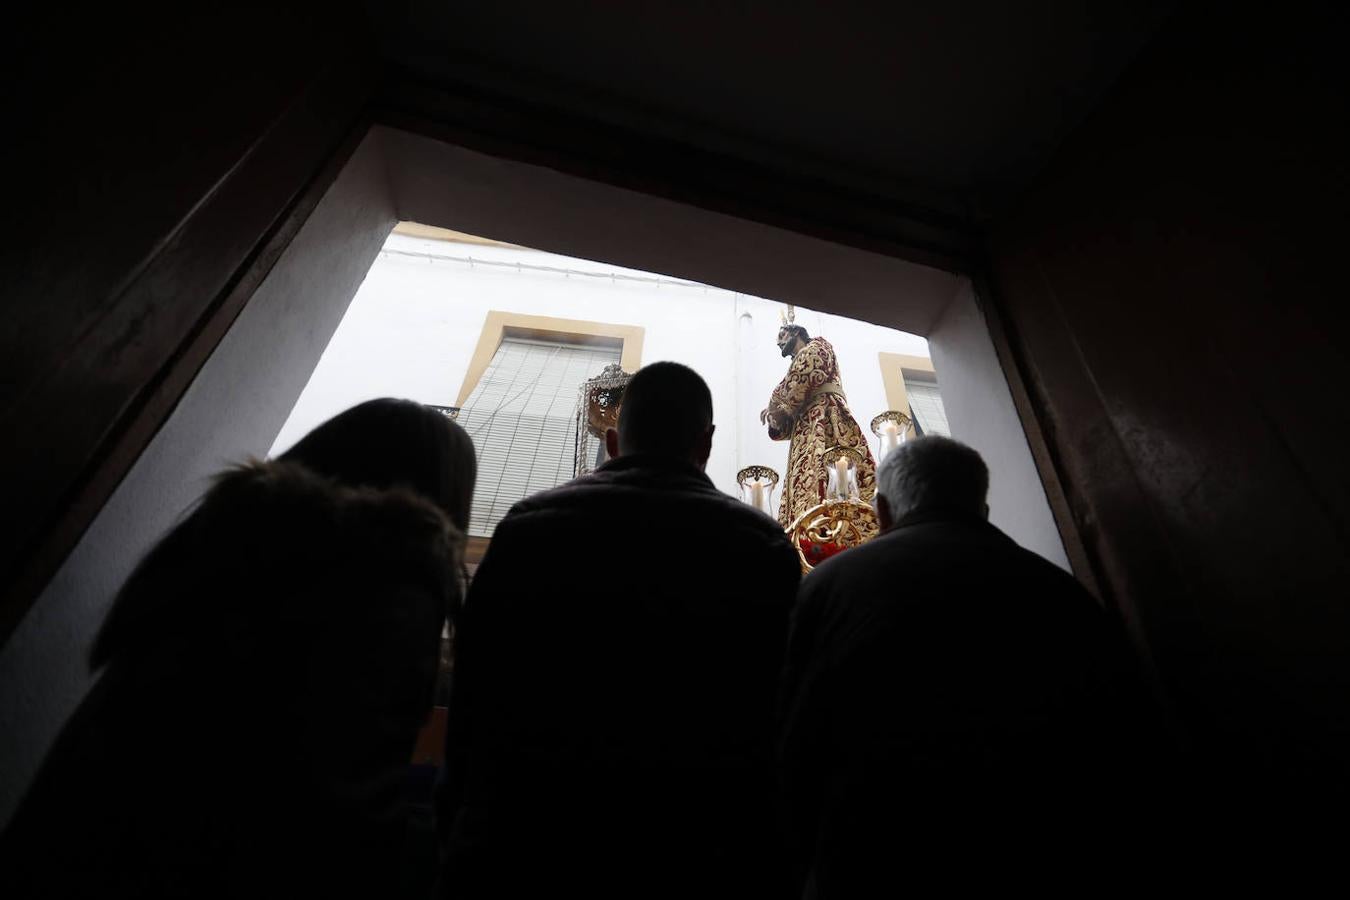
{"x":757,"y":495}
{"x":841,"y":476}
{"x":890,"y":437}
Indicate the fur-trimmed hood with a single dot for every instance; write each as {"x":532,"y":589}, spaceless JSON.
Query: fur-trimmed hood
{"x":269,"y":535}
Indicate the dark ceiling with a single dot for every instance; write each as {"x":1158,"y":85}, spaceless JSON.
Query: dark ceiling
{"x":957,"y":104}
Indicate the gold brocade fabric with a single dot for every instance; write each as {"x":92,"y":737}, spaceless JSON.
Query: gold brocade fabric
{"x":819,"y":421}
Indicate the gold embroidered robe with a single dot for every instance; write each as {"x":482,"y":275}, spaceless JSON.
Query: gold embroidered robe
{"x":817,"y":420}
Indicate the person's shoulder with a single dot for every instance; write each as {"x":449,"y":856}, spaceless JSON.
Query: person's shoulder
{"x":746,"y":531}
{"x":566,"y":497}
{"x":750,"y":519}
{"x":1051,"y":576}
{"x":604,"y":494}
{"x":581,"y":494}
{"x":743,"y":538}
{"x":544,"y":521}
{"x":1000,"y":557}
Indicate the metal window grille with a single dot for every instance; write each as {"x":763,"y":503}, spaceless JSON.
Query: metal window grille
{"x":926,"y":404}
{"x":522,"y":418}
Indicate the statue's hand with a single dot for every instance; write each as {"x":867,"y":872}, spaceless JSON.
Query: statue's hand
{"x":774,"y":418}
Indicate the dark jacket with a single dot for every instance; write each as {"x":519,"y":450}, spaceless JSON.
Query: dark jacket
{"x":267,"y":669}
{"x":954,"y":701}
{"x":612,"y":714}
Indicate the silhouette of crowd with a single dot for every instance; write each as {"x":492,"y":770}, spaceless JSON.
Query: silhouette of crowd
{"x":646,"y":698}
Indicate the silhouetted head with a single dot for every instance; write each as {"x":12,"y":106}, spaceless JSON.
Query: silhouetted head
{"x":666,"y":411}
{"x":932,"y":474}
{"x":395,"y":443}
{"x":792,"y":338}
{"x":379,"y":444}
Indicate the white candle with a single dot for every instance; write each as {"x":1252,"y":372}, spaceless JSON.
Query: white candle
{"x":841,"y":476}
{"x":757,"y":494}
{"x":890,"y":437}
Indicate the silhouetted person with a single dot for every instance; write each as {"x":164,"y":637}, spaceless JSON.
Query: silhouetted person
{"x":958,"y":707}
{"x":265,"y":671}
{"x":611,"y":721}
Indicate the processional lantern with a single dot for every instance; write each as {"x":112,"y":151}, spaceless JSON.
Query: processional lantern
{"x":891,"y":429}
{"x":841,"y":469}
{"x":757,"y":484}
{"x":598,"y":402}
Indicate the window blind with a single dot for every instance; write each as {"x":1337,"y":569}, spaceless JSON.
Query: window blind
{"x":522,"y":419}
{"x":926,"y":404}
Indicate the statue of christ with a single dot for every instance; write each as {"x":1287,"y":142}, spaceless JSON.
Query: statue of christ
{"x":809,"y":407}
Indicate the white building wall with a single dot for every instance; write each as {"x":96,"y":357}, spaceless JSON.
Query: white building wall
{"x":981,"y":414}
{"x":414,"y":324}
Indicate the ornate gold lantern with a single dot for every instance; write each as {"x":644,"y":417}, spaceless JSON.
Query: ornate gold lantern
{"x":757,"y":484}
{"x":891,"y":429}
{"x":841,"y":466}
{"x":598,"y":402}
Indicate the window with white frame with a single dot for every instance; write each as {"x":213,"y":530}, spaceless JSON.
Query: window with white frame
{"x":521,"y":416}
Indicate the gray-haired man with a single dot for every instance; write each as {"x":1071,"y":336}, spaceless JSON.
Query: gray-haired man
{"x":949,"y":693}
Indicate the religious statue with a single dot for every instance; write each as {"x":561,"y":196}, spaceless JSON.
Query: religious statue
{"x":809,"y":407}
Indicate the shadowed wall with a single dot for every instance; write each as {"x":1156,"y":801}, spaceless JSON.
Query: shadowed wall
{"x":1174,"y":296}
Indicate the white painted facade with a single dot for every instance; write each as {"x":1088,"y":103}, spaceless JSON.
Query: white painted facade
{"x":413,"y":326}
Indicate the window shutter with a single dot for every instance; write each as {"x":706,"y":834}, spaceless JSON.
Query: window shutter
{"x":926,"y":404}
{"x":522,"y":418}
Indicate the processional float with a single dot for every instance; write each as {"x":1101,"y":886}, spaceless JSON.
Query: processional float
{"x":842,"y":519}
